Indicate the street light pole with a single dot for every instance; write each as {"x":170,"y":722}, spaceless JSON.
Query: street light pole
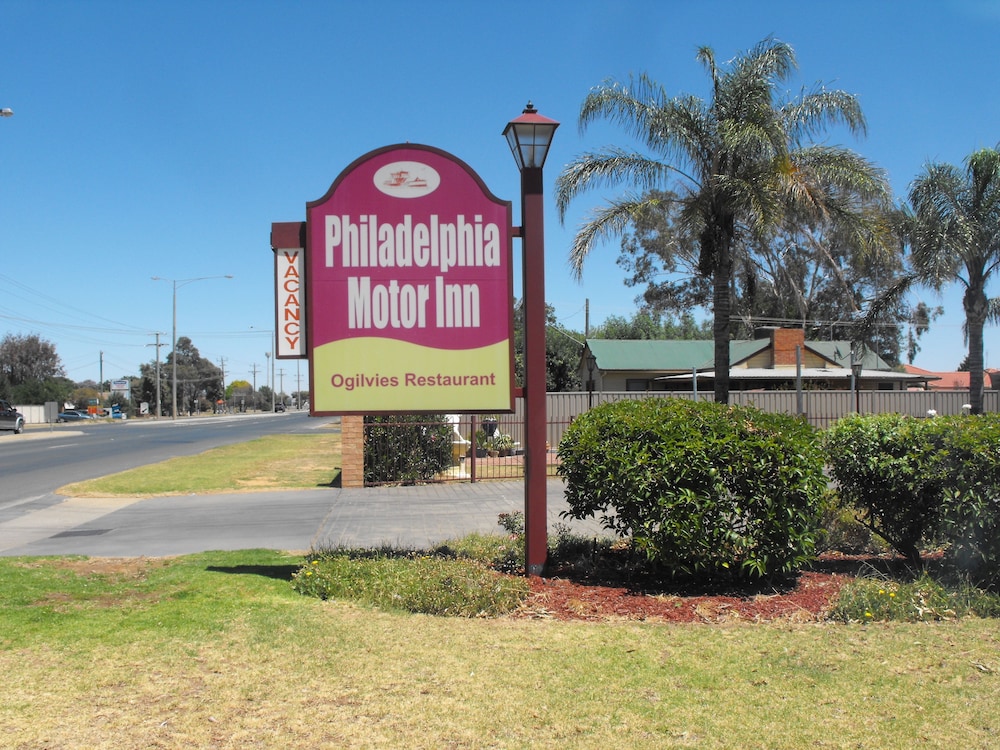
{"x":173,"y":355}
{"x":529,"y":137}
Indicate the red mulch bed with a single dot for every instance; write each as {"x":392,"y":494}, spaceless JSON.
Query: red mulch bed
{"x":805,"y":597}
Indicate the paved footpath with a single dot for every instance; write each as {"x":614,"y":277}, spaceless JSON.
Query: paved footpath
{"x":412,"y":517}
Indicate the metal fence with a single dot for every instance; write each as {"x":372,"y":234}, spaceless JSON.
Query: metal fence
{"x":470,"y":462}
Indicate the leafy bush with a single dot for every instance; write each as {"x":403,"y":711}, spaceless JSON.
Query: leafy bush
{"x":412,"y":581}
{"x":884,"y":466}
{"x":970,"y":502}
{"x":701,"y":488}
{"x":923,"y":481}
{"x":406,"y":448}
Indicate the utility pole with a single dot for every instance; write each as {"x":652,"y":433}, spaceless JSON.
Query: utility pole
{"x":254,"y":372}
{"x":222,"y":366}
{"x":157,"y":345}
{"x":100,"y":383}
{"x":281,"y":389}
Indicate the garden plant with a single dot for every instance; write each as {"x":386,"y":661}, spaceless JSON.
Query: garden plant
{"x":699,"y":488}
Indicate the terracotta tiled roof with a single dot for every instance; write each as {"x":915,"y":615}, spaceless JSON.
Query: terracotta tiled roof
{"x":948,"y":381}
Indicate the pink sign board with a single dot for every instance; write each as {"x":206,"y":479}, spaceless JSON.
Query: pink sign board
{"x":409,"y":288}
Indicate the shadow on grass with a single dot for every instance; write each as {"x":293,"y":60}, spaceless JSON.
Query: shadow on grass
{"x":278,"y":572}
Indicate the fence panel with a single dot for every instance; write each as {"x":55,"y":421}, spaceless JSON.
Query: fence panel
{"x":820,"y":408}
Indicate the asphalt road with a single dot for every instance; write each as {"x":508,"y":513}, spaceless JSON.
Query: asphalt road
{"x":45,"y":457}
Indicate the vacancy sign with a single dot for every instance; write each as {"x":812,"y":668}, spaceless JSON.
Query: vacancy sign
{"x":408,"y":288}
{"x":288,"y":245}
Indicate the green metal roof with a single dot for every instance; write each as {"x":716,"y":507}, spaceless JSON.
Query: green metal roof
{"x":839,"y":352}
{"x":683,"y":356}
{"x":664,"y":356}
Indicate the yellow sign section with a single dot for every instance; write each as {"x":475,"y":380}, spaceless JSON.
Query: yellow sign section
{"x":369,"y":375}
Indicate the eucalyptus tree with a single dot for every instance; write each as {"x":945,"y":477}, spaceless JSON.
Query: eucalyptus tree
{"x":803,"y":274}
{"x":953,"y":228}
{"x":738,"y":161}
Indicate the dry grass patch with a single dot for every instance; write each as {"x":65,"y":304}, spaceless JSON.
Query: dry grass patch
{"x":275,"y":462}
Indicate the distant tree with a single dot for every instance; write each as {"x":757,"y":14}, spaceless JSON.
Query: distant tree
{"x":803,"y":274}
{"x":239,"y":395}
{"x":263,"y":400}
{"x":198,"y":379}
{"x":562,"y":352}
{"x":40,"y":391}
{"x":30,"y":370}
{"x":651,"y":325}
{"x":25,"y":359}
{"x":82,"y":394}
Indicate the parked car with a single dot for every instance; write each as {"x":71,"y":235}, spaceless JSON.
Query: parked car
{"x":72,"y":415}
{"x":279,"y":407}
{"x":10,"y":418}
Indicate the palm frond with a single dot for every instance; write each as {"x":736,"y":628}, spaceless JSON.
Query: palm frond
{"x":815,"y":111}
{"x":629,"y":105}
{"x":993,"y":310}
{"x":611,"y":166}
{"x":607,"y":221}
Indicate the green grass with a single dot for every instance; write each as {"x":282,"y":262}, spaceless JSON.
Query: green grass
{"x":880,"y":598}
{"x":275,"y":462}
{"x":412,"y":581}
{"x":218,"y":650}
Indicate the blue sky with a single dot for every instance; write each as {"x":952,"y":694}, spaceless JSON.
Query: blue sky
{"x":162,"y":139}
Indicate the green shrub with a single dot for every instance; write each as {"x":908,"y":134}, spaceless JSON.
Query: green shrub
{"x":884,"y":465}
{"x":925,"y":481}
{"x":406,"y":448}
{"x":412,"y":581}
{"x":970,"y":502}
{"x":701,"y":488}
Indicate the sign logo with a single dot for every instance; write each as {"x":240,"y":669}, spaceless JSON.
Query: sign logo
{"x":407,"y":179}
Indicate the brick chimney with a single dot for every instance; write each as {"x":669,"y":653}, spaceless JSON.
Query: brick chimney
{"x":783,"y":343}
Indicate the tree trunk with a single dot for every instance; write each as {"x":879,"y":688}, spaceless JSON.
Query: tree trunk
{"x":976,"y":306}
{"x":722,"y":309}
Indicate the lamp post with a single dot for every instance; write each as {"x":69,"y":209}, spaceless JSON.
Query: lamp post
{"x":591,"y":364}
{"x":173,"y":355}
{"x":529,"y":137}
{"x":856,"y":366}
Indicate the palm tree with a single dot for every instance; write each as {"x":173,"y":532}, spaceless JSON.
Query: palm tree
{"x":954,"y":234}
{"x":735,"y":163}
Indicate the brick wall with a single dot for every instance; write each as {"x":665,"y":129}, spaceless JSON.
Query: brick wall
{"x":352,"y":445}
{"x":783,"y":343}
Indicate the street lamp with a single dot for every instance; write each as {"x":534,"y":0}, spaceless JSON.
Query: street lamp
{"x":856,"y":367}
{"x":591,"y":364}
{"x":529,"y":137}
{"x":173,"y":356}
